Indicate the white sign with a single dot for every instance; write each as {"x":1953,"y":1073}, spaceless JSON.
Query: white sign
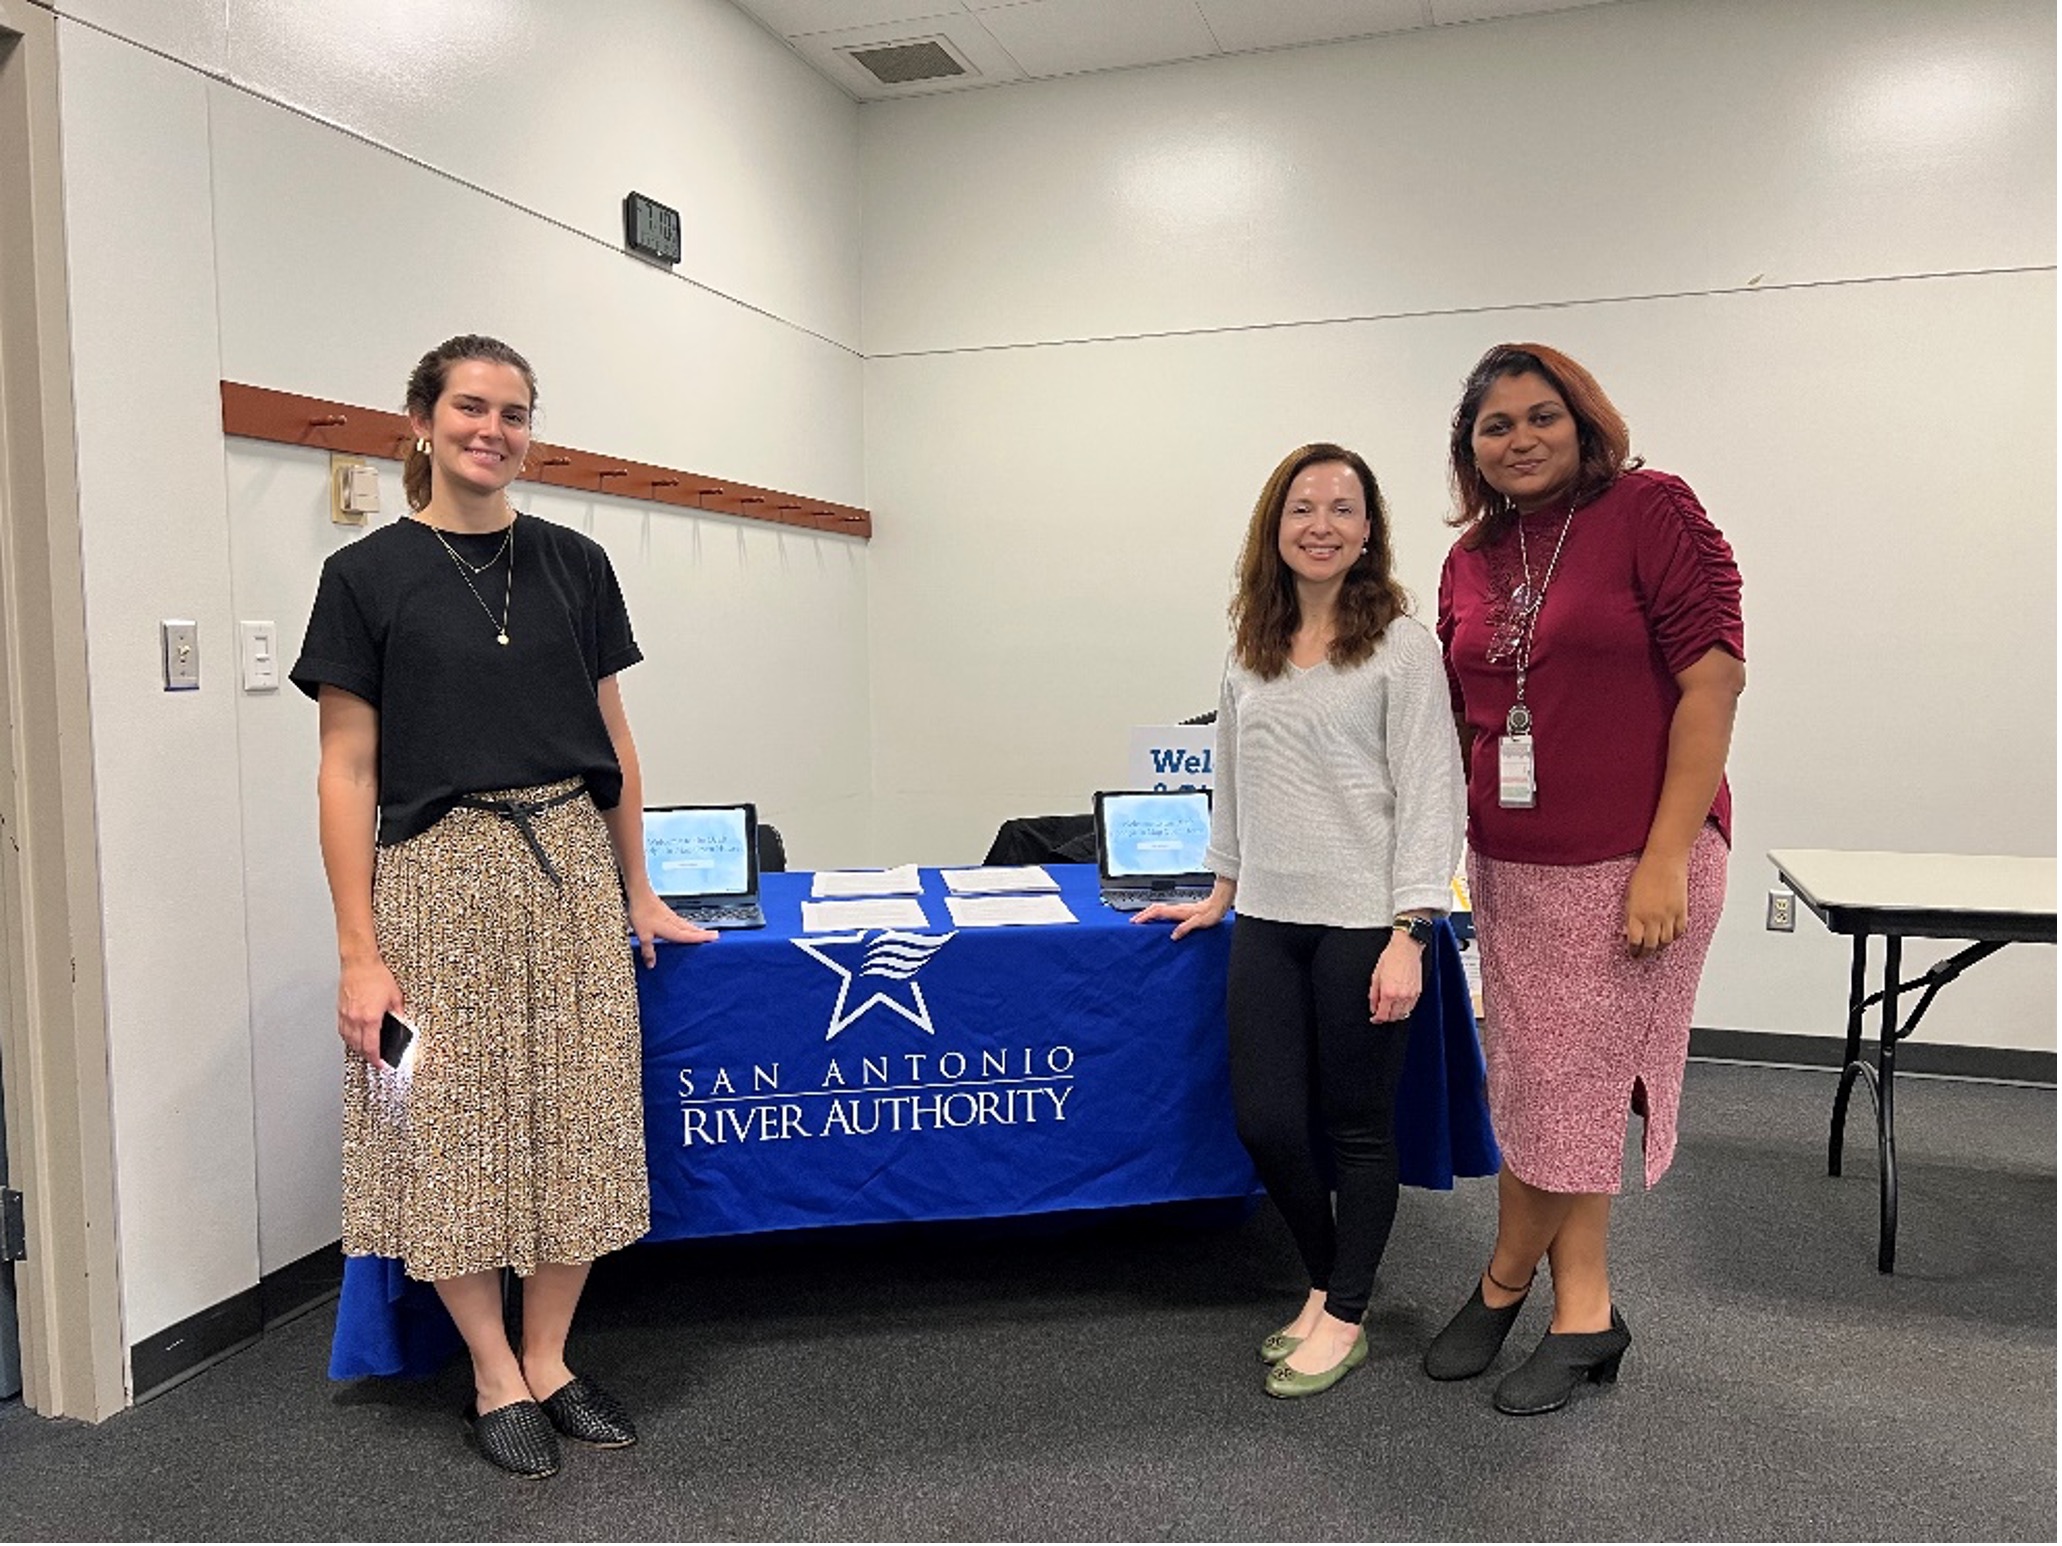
{"x":1172,"y":757}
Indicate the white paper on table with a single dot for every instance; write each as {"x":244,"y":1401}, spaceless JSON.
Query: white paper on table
{"x":900,"y":881}
{"x":891,"y":912}
{"x":980,"y":912}
{"x":991,"y":878}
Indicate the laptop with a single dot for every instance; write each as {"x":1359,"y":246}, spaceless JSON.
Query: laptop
{"x":704,"y":863}
{"x":1150,"y":846}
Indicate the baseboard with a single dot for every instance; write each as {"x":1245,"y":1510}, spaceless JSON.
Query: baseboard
{"x":2015,"y":1065}
{"x":158,"y":1363}
{"x":301,"y":1285}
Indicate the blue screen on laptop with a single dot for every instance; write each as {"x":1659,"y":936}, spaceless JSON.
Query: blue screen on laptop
{"x":697,"y":853}
{"x":1156,"y":834}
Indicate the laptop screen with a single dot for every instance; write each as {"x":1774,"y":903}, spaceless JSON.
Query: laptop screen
{"x":701,"y":850}
{"x":1153,"y":836}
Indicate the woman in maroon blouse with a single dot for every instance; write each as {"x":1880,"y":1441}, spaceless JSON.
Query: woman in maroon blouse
{"x":1591,"y":618}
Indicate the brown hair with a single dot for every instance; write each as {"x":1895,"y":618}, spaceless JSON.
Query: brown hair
{"x":426,"y":385}
{"x":1264,"y":613}
{"x":1604,"y":443}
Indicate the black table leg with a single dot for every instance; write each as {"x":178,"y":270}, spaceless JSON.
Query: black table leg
{"x":1881,"y":1078}
{"x":1886,"y":1129}
{"x":1851,"y":1064}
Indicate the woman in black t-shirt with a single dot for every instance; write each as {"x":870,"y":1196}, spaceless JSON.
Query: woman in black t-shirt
{"x":481,"y":813}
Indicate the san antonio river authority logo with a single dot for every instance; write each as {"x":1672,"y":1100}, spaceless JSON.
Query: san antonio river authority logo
{"x":894,"y":958}
{"x":893,"y":1092}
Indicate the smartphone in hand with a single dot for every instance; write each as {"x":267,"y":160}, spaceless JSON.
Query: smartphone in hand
{"x":396,"y":1036}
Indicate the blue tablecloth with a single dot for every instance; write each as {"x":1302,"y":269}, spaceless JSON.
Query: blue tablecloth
{"x":868,"y":1077}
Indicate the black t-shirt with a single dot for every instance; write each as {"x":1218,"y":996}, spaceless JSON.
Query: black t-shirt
{"x":395,"y":623}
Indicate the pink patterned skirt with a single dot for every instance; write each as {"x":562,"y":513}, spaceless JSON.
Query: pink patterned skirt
{"x":1578,"y":1032}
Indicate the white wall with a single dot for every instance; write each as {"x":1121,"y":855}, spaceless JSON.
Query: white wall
{"x":1654,"y":147}
{"x":306,"y":199}
{"x":155,"y":544}
{"x":1808,"y":249}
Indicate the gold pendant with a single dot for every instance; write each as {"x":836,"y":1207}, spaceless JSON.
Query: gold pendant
{"x":501,"y":638}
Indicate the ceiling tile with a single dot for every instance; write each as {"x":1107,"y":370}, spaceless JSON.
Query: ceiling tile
{"x":959,"y":29}
{"x":796,"y":18}
{"x":1241,"y":25}
{"x":1010,"y":40}
{"x":1060,"y":37}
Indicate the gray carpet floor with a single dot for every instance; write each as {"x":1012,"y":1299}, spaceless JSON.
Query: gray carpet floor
{"x":1097,"y":1380}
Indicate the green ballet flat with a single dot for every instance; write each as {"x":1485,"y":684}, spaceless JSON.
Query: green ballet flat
{"x":1288,"y":1384}
{"x":1277,"y":1345}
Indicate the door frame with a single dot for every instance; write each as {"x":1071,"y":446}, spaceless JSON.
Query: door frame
{"x":53,"y":1020}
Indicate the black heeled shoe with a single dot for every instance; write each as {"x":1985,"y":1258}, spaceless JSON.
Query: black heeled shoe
{"x":1562,"y":1361}
{"x":1470,"y":1341}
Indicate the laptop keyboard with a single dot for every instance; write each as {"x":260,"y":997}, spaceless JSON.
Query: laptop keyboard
{"x":1135,"y":901}
{"x":716,"y":915}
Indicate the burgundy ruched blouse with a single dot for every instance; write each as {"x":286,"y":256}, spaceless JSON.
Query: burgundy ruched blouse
{"x":1645,"y":587}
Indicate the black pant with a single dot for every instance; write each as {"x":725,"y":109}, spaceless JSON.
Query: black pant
{"x":1314,"y":1086}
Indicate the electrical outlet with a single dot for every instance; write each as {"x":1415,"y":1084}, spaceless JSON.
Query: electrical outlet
{"x":1782,"y":910}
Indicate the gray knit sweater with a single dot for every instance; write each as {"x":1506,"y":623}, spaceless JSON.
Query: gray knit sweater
{"x":1339,"y":797}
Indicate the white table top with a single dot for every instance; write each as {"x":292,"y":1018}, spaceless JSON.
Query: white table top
{"x":1977,"y":883}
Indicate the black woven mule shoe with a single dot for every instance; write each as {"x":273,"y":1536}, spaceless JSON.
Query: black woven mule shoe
{"x":1470,"y":1341}
{"x":1562,"y":1361}
{"x":587,"y":1414}
{"x":516,"y":1438}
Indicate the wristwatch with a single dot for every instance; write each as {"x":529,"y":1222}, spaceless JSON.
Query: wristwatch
{"x":1419,"y":928}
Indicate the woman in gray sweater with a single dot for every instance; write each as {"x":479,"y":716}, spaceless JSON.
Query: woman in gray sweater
{"x":1337,"y":827}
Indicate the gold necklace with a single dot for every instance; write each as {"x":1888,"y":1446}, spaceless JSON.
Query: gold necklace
{"x":507,"y":595}
{"x":490,"y":563}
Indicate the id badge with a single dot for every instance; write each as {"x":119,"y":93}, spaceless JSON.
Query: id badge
{"x":1515,"y":789}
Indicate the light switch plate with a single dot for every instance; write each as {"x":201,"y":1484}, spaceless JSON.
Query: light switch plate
{"x":179,"y":639}
{"x":259,"y":650}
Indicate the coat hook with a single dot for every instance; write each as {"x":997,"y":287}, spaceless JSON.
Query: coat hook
{"x":328,"y":421}
{"x":613,"y":472}
{"x":665,"y":483}
{"x":558,"y":461}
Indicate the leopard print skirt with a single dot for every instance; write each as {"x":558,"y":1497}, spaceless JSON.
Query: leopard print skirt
{"x":514,"y":1132}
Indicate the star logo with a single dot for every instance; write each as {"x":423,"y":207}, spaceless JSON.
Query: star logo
{"x":893,"y":959}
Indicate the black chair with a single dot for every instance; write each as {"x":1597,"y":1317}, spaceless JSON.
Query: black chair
{"x":773,"y":853}
{"x":1044,"y":840}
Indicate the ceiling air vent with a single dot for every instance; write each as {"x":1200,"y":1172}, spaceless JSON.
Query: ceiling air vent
{"x":904,"y":64}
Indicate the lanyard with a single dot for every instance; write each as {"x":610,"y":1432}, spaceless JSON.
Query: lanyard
{"x":1519,"y":720}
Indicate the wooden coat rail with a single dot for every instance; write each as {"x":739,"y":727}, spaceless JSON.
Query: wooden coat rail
{"x":259,"y":413}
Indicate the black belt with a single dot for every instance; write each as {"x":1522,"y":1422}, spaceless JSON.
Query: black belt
{"x":520,"y":812}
